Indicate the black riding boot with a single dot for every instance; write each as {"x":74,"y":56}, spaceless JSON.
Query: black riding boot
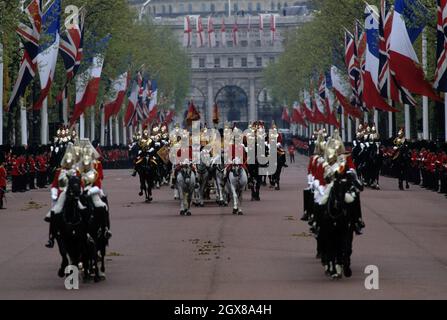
{"x":51,"y":233}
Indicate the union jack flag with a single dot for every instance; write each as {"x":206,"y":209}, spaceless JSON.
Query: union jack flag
{"x":388,"y":86}
{"x":30,"y":35}
{"x":71,"y":47}
{"x":441,"y":69}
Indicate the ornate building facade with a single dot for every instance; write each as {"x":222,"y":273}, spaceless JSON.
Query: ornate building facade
{"x":228,"y":71}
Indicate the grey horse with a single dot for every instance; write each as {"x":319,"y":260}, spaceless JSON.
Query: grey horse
{"x":236,"y":184}
{"x":186,"y":183}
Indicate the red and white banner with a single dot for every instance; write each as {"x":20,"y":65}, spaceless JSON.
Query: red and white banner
{"x":211,"y":33}
{"x":187,"y":32}
{"x":200,"y":33}
{"x":273,"y":28}
{"x":223,"y":34}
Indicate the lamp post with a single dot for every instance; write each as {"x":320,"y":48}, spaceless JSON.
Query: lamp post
{"x":140,"y":17}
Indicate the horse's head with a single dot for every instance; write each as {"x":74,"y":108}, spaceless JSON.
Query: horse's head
{"x":74,"y":188}
{"x":236,"y":167}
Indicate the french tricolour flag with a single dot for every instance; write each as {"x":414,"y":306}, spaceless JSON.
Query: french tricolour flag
{"x":132,"y":104}
{"x":404,"y":63}
{"x":371,"y":94}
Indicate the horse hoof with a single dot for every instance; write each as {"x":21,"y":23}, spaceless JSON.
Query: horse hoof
{"x":103,"y":269}
{"x":240,"y":213}
{"x":97,"y":279}
{"x":61,"y":273}
{"x":202,"y":205}
{"x":188,"y":213}
{"x":140,"y":194}
{"x":235,"y":211}
{"x":347,"y":272}
{"x":182,"y":213}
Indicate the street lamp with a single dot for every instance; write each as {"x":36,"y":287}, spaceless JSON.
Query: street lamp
{"x":142,"y":9}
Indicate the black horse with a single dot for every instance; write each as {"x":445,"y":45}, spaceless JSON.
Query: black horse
{"x":75,"y":244}
{"x":146,"y":168}
{"x":339,"y":220}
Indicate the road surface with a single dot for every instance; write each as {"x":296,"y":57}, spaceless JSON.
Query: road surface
{"x":265,"y":254}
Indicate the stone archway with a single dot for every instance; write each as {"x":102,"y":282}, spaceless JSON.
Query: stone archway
{"x":266,"y":109}
{"x":200,"y":102}
{"x":233,"y":104}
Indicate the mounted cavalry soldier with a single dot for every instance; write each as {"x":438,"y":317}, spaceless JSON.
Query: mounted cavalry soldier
{"x":332,"y":204}
{"x":81,"y":161}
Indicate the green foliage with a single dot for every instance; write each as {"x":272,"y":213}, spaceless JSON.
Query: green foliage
{"x":317,"y":45}
{"x":133,"y":44}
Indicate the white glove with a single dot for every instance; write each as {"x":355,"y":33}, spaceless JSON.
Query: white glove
{"x":321,"y":190}
{"x":93,"y":190}
{"x":151,"y":150}
{"x":54,"y":194}
{"x":310,"y":179}
{"x":367,"y":144}
{"x":316,"y":184}
{"x":349,"y":197}
{"x":157,"y":144}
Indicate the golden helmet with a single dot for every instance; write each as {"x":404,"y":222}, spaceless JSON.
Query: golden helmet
{"x":68,"y":160}
{"x":320,"y":144}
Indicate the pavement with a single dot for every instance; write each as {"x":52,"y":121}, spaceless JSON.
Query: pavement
{"x":265,"y":254}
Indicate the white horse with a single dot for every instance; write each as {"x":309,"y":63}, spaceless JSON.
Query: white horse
{"x":236,"y":184}
{"x":203,"y":178}
{"x":186,"y":183}
{"x":219,"y":179}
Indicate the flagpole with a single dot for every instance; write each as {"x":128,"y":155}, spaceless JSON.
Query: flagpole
{"x":110,"y":131}
{"x":65,"y":106}
{"x":407,"y":122}
{"x":366,"y":118}
{"x":92,"y":124}
{"x":425,"y":123}
{"x":390,"y":120}
{"x":23,"y":123}
{"x":103,"y":138}
{"x":44,"y":122}
{"x":343,"y":128}
{"x":124,"y":133}
{"x":1,"y":94}
{"x":376,"y":118}
{"x":117,"y":131}
{"x":82,"y":126}
{"x":349,"y":129}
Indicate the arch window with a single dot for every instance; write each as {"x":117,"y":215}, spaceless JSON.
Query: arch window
{"x":236,"y":8}
{"x":190,"y":8}
{"x":250,"y":7}
{"x":170,"y":9}
{"x":272,"y":6}
{"x":181,"y":8}
{"x":213,"y":8}
{"x":258,"y":7}
{"x":163,"y":9}
{"x":203,"y":7}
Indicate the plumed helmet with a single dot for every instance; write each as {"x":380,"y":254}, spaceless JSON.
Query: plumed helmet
{"x":320,"y":144}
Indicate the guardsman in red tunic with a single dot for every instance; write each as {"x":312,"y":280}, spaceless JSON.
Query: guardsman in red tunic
{"x":3,"y":182}
{"x":42,"y":167}
{"x":31,"y":166}
{"x":15,"y":173}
